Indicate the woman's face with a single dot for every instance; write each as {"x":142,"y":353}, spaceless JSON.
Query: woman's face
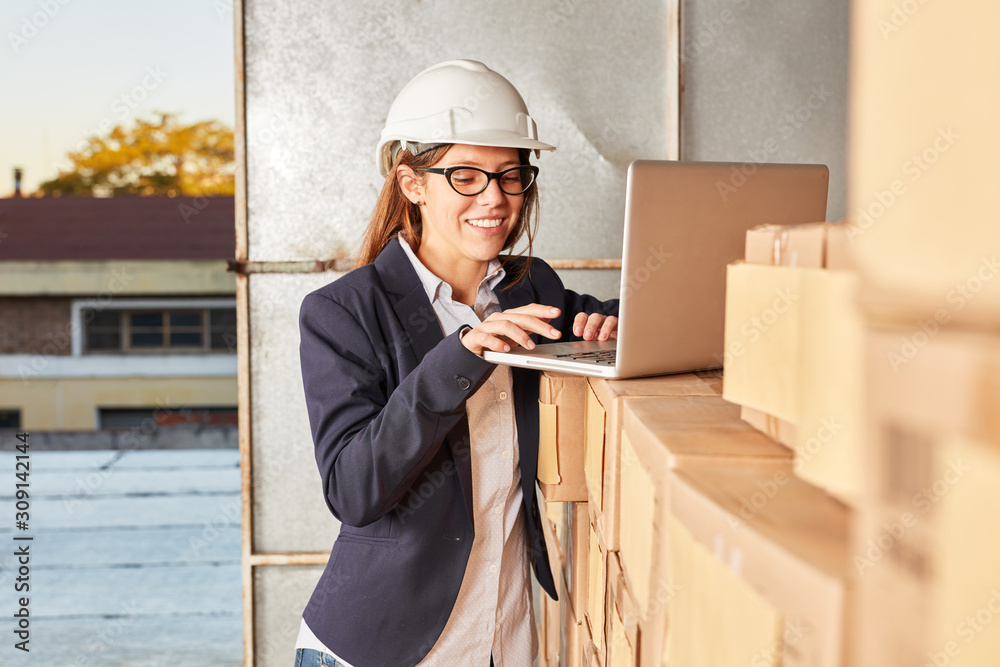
{"x":458,"y":229}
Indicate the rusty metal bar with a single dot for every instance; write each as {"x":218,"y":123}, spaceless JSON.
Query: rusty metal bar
{"x":308,"y":558}
{"x":340,"y":264}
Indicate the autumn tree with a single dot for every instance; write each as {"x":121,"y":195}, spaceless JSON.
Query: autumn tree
{"x":154,"y":157}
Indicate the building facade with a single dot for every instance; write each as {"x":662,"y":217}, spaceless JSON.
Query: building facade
{"x":116,"y":311}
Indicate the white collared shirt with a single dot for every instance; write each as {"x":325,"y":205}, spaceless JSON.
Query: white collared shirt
{"x":493,"y":612}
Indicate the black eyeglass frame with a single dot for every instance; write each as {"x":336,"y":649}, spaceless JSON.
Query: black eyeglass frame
{"x":448,"y":171}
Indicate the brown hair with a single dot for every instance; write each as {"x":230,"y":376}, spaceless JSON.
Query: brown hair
{"x":395,"y":214}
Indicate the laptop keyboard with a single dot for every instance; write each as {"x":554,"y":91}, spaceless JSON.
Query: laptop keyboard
{"x":606,"y":357}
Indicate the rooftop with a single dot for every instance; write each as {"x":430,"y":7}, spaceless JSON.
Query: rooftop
{"x":117,"y":228}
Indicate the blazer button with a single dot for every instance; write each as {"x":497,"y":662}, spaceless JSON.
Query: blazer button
{"x":463,"y":383}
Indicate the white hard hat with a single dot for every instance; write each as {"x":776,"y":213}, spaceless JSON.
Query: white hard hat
{"x":457,"y":102}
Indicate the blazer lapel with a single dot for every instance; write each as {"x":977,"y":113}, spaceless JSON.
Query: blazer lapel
{"x":422,"y":331}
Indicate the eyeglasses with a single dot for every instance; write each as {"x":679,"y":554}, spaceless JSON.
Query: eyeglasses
{"x":470,"y":181}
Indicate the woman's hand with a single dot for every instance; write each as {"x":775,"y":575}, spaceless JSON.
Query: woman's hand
{"x":595,"y":325}
{"x":510,"y":328}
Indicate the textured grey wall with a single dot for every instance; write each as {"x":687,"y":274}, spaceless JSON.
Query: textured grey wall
{"x":289,"y":514}
{"x":767,"y":82}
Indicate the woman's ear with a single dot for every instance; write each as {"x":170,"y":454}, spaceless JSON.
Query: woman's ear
{"x":410,"y":184}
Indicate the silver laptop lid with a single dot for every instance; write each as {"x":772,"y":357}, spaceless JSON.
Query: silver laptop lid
{"x":685,"y":221}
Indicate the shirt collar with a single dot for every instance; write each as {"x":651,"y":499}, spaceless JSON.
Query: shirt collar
{"x":435,"y":287}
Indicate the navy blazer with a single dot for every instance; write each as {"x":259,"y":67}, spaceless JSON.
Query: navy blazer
{"x":386,"y":392}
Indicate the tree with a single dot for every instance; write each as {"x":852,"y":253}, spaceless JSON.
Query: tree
{"x":154,"y":157}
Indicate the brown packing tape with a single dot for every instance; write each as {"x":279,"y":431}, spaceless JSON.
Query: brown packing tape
{"x":596,"y":592}
{"x":577,"y":557}
{"x":552,"y":547}
{"x":548,"y":444}
{"x":563,"y":423}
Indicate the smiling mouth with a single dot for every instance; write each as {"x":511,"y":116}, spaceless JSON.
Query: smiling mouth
{"x":486,"y":223}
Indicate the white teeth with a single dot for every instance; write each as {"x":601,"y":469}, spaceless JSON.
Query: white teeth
{"x":494,"y":222}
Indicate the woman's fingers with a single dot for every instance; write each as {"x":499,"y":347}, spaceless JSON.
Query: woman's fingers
{"x":595,"y":325}
{"x":609,"y":329}
{"x":524,"y":321}
{"x":501,"y":331}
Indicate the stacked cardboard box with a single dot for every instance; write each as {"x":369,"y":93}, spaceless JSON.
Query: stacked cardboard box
{"x":925,"y":555}
{"x":760,"y":561}
{"x":793,"y":348}
{"x":923,"y":137}
{"x":602,"y":457}
{"x":659,"y":436}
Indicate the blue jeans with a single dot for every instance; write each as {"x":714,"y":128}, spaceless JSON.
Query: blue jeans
{"x":307,"y":657}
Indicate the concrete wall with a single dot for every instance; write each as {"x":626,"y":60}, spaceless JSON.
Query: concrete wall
{"x":767,"y":82}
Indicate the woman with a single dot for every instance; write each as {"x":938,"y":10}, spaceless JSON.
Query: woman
{"x":427,"y":452}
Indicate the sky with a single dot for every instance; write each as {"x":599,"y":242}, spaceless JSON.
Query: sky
{"x":69,"y":68}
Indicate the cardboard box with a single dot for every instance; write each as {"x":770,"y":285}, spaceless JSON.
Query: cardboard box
{"x":572,"y":635}
{"x":839,"y":254}
{"x":578,"y":556}
{"x":659,"y":435}
{"x":925,"y":552}
{"x":713,"y":378}
{"x":590,"y":656}
{"x":769,"y":425}
{"x":596,"y":592}
{"x":811,"y":245}
{"x":548,"y":640}
{"x":717,"y":618}
{"x":794,"y":362}
{"x":767,"y":558}
{"x":787,"y":245}
{"x":623,"y":626}
{"x":561,"y":403}
{"x":762,"y":338}
{"x":923,"y":136}
{"x":620,"y":651}
{"x":782,"y":245}
{"x":830,"y":449}
{"x":554,"y":547}
{"x":556,"y":515}
{"x":604,"y":423}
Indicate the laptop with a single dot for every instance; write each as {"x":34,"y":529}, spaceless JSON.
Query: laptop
{"x":684,"y":222}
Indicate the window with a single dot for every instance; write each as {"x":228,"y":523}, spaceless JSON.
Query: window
{"x":10,"y":418}
{"x":152,"y":418}
{"x":180,"y":330}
